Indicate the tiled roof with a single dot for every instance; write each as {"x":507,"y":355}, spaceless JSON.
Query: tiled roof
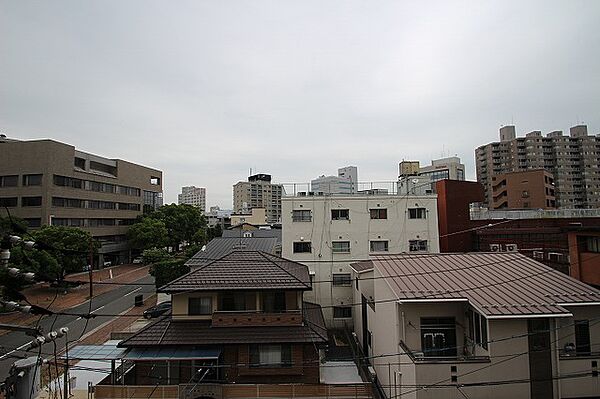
{"x":497,"y":284}
{"x":362,"y":266}
{"x":221,"y":246}
{"x":169,"y":332}
{"x":244,"y":270}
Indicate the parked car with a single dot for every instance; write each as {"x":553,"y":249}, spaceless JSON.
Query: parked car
{"x":137,"y":260}
{"x":157,"y":310}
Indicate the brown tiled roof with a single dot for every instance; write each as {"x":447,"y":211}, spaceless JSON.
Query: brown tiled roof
{"x":497,"y":284}
{"x":199,"y":332}
{"x":362,"y":266}
{"x":244,"y":270}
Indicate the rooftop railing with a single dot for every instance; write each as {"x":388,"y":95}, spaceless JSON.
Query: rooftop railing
{"x":360,"y":188}
{"x":487,"y":214}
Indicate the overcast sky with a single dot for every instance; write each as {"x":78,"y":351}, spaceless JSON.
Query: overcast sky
{"x":205,"y":90}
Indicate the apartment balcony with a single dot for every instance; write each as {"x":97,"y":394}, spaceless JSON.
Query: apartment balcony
{"x":251,"y":318}
{"x":421,"y":357}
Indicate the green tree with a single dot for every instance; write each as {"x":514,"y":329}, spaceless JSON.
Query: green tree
{"x":213,"y":232}
{"x":182,"y":223}
{"x":166,"y":271}
{"x":148,"y":233}
{"x":155,"y":255}
{"x":12,"y":225}
{"x":70,"y":246}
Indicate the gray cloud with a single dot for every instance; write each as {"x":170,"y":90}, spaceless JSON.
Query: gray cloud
{"x":206,"y":90}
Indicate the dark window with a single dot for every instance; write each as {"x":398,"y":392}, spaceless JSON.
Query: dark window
{"x":65,"y":181}
{"x":32,"y":180}
{"x":155,"y":180}
{"x":79,"y":163}
{"x":340,"y":214}
{"x":33,"y":222}
{"x":273,"y":302}
{"x":302,"y":215}
{"x":229,"y":301}
{"x":379,"y":246}
{"x":101,"y":167}
{"x":582,"y":337}
{"x":279,"y":355}
{"x":593,"y":244}
{"x":438,"y":336}
{"x":200,"y":306}
{"x":342,"y":279}
{"x":340,"y":246}
{"x":417,"y":213}
{"x":302,"y":247}
{"x":31,"y":201}
{"x":417,"y":245}
{"x":9,"y":181}
{"x":342,"y":312}
{"x":378,"y":213}
{"x":9,"y":202}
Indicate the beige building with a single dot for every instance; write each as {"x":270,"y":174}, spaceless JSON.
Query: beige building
{"x":258,"y":192}
{"x":257,"y":217}
{"x":50,"y":183}
{"x":327,"y":233}
{"x":192,"y":195}
{"x":529,"y":189}
{"x":573,"y":160}
{"x":477,"y":325}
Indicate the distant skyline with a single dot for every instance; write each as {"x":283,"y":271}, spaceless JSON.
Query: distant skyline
{"x":205,"y":91}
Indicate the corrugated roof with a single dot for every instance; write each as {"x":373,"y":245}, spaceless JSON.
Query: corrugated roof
{"x":199,"y":332}
{"x":362,"y":266}
{"x":243,"y":270}
{"x":221,"y":246}
{"x":497,"y":284}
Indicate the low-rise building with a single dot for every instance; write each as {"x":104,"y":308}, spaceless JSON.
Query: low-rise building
{"x":329,"y":232}
{"x":256,"y":216}
{"x":220,"y":246}
{"x":477,"y":325}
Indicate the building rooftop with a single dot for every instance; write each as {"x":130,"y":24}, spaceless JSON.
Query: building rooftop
{"x":496,"y":284}
{"x":166,"y":331}
{"x":221,"y":246}
{"x":243,"y":270}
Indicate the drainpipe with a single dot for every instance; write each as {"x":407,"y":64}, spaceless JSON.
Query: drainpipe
{"x":557,"y":355}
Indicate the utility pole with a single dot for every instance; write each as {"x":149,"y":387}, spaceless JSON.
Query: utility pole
{"x":66,"y":376}
{"x":91,"y":271}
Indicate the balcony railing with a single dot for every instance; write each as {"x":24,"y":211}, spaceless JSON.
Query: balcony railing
{"x":251,"y":318}
{"x":421,"y":357}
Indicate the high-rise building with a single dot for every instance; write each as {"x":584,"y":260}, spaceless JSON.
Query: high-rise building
{"x":193,"y":195}
{"x":46,"y":182}
{"x":258,"y":192}
{"x":346,"y":182}
{"x":572,"y":160}
{"x":444,"y":169}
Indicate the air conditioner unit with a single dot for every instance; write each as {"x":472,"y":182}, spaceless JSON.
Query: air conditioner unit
{"x":310,"y":193}
{"x":302,"y":194}
{"x":495,"y":247}
{"x":511,"y":248}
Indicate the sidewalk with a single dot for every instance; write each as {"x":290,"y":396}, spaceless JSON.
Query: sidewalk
{"x":45,"y":296}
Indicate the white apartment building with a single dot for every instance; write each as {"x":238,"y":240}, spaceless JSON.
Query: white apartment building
{"x":328,"y":232}
{"x":192,"y":195}
{"x":346,"y":182}
{"x":445,"y":168}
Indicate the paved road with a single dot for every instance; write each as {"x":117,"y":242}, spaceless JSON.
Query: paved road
{"x":111,"y":303}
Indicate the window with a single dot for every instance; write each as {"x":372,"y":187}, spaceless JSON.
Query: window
{"x":200,"y":306}
{"x":273,"y":302}
{"x":155,"y":181}
{"x":417,"y":213}
{"x":301,"y":215}
{"x":438,"y":336}
{"x":378,"y":213}
{"x":417,"y":245}
{"x":104,"y":168}
{"x":79,"y":163}
{"x":379,"y":246}
{"x":342,"y":280}
{"x":32,"y":180}
{"x":302,"y":247}
{"x":31,"y":201}
{"x":9,"y":181}
{"x":593,"y":244}
{"x":64,"y":181}
{"x":525,"y":194}
{"x":338,"y":247}
{"x":478,"y":328}
{"x":271,"y":355}
{"x":33,"y":222}
{"x":582,"y":337}
{"x":340,"y":214}
{"x":9,"y":202}
{"x":342,"y":312}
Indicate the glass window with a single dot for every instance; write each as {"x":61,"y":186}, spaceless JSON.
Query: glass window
{"x":79,"y":163}
{"x":593,"y":244}
{"x":379,"y":246}
{"x":342,"y":312}
{"x":32,"y":180}
{"x":342,"y":279}
{"x":378,"y":213}
{"x":200,"y":306}
{"x":31,"y":201}
{"x":417,"y":213}
{"x":417,"y":245}
{"x":9,"y":181}
{"x":271,"y":355}
{"x":438,"y":336}
{"x":582,"y":337}
{"x":273,"y":302}
{"x":340,"y":247}
{"x":340,"y":214}
{"x":302,"y":247}
{"x":301,"y":215}
{"x":33,"y":222}
{"x":9,"y":202}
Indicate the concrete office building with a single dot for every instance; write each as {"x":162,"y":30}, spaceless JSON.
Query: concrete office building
{"x":444,"y":169}
{"x":327,"y":233}
{"x":420,"y":180}
{"x":573,"y":161}
{"x":46,"y":182}
{"x":346,"y":182}
{"x":193,"y":195}
{"x":258,"y":192}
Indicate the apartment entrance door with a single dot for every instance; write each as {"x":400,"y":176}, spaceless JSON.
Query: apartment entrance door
{"x":540,"y":359}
